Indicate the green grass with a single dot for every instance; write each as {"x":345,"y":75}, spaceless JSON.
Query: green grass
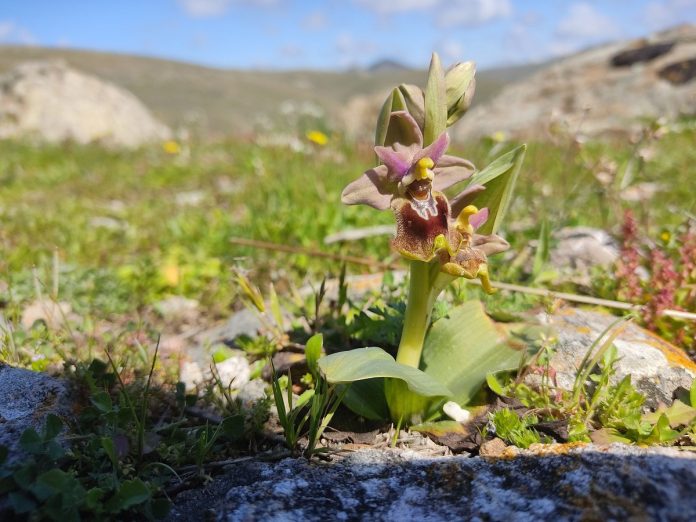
{"x":111,"y":233}
{"x":125,"y":236}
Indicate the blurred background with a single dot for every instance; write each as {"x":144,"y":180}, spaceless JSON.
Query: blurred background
{"x":142,"y":143}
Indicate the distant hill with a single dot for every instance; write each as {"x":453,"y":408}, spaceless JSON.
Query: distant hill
{"x":219,"y":101}
{"x":609,"y":89}
{"x":387,"y":65}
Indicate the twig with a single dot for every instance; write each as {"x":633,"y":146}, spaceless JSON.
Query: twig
{"x":309,"y":252}
{"x":502,"y":286}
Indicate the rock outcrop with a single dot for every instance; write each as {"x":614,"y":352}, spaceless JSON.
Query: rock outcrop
{"x":54,"y":103}
{"x":26,"y":398}
{"x":604,"y":90}
{"x":657,"y":368}
{"x":551,"y":483}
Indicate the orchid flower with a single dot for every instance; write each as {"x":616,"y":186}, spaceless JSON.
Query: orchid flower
{"x":410,"y":180}
{"x":436,"y":234}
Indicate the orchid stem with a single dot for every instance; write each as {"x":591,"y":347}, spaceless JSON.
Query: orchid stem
{"x":417,"y":318}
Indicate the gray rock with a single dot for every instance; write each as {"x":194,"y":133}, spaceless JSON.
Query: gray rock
{"x":177,"y":308}
{"x":54,"y":102}
{"x":26,"y":398}
{"x":251,"y":393}
{"x":657,"y":368}
{"x":566,"y":484}
{"x":234,"y":370}
{"x":581,"y":248}
{"x":243,"y":322}
{"x":585,"y":94}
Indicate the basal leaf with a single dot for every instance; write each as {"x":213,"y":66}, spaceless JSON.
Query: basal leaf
{"x":313,"y":351}
{"x":499,"y":178}
{"x":463,"y":348}
{"x":366,"y":398}
{"x":370,"y":363}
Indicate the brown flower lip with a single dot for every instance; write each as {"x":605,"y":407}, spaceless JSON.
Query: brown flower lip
{"x":420,"y":189}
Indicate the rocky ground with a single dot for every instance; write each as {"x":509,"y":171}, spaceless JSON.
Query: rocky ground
{"x":547,"y":483}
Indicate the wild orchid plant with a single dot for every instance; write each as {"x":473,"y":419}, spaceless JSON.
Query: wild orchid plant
{"x":442,"y":238}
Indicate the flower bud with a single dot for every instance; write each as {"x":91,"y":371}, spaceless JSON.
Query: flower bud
{"x":460,"y":85}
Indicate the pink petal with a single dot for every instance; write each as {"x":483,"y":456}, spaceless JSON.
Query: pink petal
{"x":396,"y":162}
{"x":403,"y":129}
{"x":373,"y":188}
{"x":490,"y":245}
{"x":479,"y":218}
{"x":435,"y":150}
{"x":450,"y":171}
{"x":464,"y":198}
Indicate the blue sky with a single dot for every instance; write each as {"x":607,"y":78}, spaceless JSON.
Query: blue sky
{"x":333,"y":34}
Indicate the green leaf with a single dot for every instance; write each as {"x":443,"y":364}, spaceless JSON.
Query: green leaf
{"x":435,"y":102}
{"x":313,"y":352}
{"x":366,"y":398}
{"x":661,"y":432}
{"x":93,"y":498}
{"x":131,"y":493}
{"x":102,"y":401}
{"x":440,"y":428}
{"x":233,"y":427}
{"x":499,"y":178}
{"x":52,"y":427}
{"x":107,"y":444}
{"x":369,"y":363}
{"x":692,"y":394}
{"x":30,"y":441}
{"x":495,"y":384}
{"x":463,"y":348}
{"x":679,"y":414}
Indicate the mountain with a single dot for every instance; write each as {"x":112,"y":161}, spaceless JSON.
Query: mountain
{"x":222,"y":102}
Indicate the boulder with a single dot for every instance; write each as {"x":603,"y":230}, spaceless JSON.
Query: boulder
{"x":55,"y":103}
{"x":657,"y":368}
{"x":26,"y":398}
{"x":604,"y":90}
{"x":557,"y":483}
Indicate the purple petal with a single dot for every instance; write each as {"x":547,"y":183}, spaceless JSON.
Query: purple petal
{"x":479,"y":218}
{"x":373,"y":188}
{"x":435,"y":150}
{"x":464,"y":198}
{"x":490,"y":245}
{"x":450,"y":171}
{"x":396,"y":162}
{"x":403,"y":129}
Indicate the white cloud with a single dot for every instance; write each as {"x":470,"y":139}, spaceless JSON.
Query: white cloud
{"x":451,"y":51}
{"x":583,"y":21}
{"x":582,"y":27}
{"x":353,"y":51}
{"x":660,"y":15}
{"x":212,"y":8}
{"x":397,"y":6}
{"x":315,"y":21}
{"x":291,"y":51}
{"x":10,"y":32}
{"x":448,"y":13}
{"x":467,"y":13}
